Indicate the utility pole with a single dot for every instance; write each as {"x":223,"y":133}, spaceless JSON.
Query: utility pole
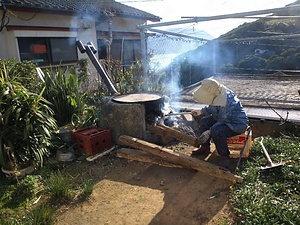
{"x":145,"y":65}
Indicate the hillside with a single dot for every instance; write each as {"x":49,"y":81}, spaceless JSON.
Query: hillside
{"x":260,"y":47}
{"x":162,"y":46}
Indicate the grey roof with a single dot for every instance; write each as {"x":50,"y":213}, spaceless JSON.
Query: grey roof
{"x":96,"y":7}
{"x":278,"y":90}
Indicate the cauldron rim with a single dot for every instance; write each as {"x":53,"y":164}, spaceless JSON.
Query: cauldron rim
{"x":140,"y":97}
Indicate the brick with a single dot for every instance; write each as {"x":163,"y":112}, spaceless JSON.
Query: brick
{"x":92,"y":140}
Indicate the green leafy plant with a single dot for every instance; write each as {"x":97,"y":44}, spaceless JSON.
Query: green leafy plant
{"x":272,"y":196}
{"x":62,"y":89}
{"x":131,"y":79}
{"x":26,"y":123}
{"x":21,"y":195}
{"x":24,"y":72}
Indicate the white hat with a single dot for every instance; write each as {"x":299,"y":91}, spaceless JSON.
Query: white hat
{"x":211,"y":93}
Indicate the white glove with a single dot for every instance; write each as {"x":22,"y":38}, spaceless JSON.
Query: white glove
{"x":204,"y":137}
{"x":196,"y":112}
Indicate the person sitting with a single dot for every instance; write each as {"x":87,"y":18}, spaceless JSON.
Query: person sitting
{"x":224,"y":117}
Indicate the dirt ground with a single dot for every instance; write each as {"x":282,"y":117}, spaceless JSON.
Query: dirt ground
{"x":137,"y":193}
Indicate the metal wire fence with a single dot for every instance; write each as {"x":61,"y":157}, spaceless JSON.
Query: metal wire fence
{"x":164,"y":48}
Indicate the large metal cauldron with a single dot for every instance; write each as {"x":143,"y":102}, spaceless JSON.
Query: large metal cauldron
{"x":130,"y":114}
{"x":153,"y":102}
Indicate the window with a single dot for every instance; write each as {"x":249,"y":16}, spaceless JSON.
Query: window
{"x":127,"y":50}
{"x":131,"y":51}
{"x":102,"y":49}
{"x":63,"y":49}
{"x":46,"y":51}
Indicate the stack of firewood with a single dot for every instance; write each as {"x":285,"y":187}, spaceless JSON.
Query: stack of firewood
{"x":142,"y":150}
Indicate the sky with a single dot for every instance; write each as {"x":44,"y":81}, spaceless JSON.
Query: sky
{"x":173,"y":10}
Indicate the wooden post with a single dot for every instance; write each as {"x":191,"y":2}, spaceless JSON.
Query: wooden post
{"x":178,"y":158}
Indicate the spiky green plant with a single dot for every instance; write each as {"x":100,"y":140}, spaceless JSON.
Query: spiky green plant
{"x":59,"y":187}
{"x":42,"y":215}
{"x":24,"y":72}
{"x":26,"y":123}
{"x":62,"y":89}
{"x":86,"y":189}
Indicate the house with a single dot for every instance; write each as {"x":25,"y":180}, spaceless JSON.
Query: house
{"x":46,"y":31}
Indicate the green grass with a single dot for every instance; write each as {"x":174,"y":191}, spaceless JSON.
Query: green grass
{"x":42,"y":215}
{"x":60,"y":188}
{"x":269,"y":196}
{"x":15,"y":197}
{"x":34,"y":199}
{"x":265,"y":197}
{"x":86,"y":190}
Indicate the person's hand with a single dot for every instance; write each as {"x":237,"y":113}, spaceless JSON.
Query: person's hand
{"x":204,"y":137}
{"x":197,"y":112}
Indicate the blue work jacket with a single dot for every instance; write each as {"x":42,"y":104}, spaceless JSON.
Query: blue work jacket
{"x":233,"y":114}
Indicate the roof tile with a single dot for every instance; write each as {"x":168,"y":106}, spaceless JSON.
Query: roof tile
{"x":82,"y":6}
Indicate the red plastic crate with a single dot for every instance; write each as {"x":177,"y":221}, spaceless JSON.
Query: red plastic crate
{"x":237,"y":143}
{"x":239,"y":139}
{"x":91,"y":140}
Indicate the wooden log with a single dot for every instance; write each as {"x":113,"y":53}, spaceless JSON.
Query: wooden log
{"x":141,"y":156}
{"x":164,"y":138}
{"x":164,"y":130}
{"x":178,"y":158}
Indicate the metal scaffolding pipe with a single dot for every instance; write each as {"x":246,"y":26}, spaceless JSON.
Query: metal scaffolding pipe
{"x":220,"y":17}
{"x":90,"y":50}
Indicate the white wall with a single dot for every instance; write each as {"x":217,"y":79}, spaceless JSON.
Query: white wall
{"x":121,"y":25}
{"x":3,"y":45}
{"x":82,"y":28}
{"x":42,"y":19}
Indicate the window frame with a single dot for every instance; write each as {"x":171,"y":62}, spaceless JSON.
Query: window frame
{"x":33,"y":48}
{"x":126,"y":50}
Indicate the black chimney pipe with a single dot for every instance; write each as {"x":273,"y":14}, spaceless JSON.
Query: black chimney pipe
{"x":90,"y":50}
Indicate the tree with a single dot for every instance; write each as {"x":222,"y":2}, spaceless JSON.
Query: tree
{"x":253,"y":62}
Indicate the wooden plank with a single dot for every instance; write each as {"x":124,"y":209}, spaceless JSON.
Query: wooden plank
{"x":94,"y":157}
{"x":178,"y":158}
{"x":138,"y":155}
{"x":164,"y":130}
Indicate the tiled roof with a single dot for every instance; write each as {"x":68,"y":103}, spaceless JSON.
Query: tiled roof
{"x":271,"y":97}
{"x":279,"y":90}
{"x":98,"y":7}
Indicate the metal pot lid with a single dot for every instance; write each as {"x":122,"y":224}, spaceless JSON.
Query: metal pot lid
{"x":138,"y":97}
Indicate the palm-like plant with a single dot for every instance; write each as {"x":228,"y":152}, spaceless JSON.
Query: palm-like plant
{"x":26,"y":123}
{"x":62,"y":90}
